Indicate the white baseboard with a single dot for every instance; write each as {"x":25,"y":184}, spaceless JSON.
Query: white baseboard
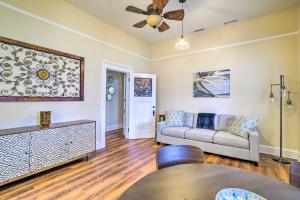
{"x":99,"y":145}
{"x":289,"y":153}
{"x":113,"y":127}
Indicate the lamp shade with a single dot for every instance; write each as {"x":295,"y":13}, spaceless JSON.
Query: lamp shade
{"x":154,"y":20}
{"x":182,"y":44}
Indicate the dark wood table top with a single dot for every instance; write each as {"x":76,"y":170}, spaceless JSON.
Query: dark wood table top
{"x":203,"y":181}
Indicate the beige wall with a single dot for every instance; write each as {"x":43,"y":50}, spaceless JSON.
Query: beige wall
{"x":298,"y":71}
{"x":254,"y":66}
{"x":66,"y":14}
{"x":115,"y":107}
{"x":22,"y":27}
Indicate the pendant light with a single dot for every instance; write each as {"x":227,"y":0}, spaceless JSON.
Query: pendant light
{"x":182,"y":44}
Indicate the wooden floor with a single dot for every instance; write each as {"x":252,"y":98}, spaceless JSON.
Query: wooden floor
{"x":112,"y":170}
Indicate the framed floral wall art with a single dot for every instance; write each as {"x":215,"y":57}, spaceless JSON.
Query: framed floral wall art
{"x":33,"y":73}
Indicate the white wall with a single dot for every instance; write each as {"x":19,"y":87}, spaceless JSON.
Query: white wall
{"x":58,"y":25}
{"x":256,"y":51}
{"x":115,"y":108}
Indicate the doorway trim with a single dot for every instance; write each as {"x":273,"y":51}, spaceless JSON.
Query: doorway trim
{"x":108,"y":65}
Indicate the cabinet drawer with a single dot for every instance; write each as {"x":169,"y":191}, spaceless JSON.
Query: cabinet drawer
{"x":14,"y":155}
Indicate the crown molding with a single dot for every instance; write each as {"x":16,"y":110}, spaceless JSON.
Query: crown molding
{"x":58,"y":25}
{"x":273,"y":37}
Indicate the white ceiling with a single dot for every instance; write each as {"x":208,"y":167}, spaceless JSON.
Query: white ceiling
{"x":199,"y":14}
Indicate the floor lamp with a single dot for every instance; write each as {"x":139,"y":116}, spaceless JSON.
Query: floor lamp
{"x":282,"y":87}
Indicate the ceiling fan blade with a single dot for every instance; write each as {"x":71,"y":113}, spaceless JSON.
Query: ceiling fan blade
{"x":159,"y":4}
{"x":140,"y":24}
{"x":136,"y":10}
{"x":174,"y":15}
{"x":164,"y":3}
{"x":163,"y":27}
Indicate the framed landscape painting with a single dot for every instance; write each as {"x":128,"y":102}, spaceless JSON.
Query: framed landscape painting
{"x":33,"y":73}
{"x":212,"y":84}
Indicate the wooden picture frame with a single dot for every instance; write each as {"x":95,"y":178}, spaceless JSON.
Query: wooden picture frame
{"x":54,"y":57}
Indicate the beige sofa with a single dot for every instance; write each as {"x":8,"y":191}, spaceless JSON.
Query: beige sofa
{"x":217,"y":141}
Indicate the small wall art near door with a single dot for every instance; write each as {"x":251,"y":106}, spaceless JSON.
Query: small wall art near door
{"x":143,"y":87}
{"x":33,"y":73}
{"x":212,"y":84}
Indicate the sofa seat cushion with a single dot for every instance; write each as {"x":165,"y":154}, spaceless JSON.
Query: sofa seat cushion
{"x":204,"y":135}
{"x":229,"y":139}
{"x":175,"y":131}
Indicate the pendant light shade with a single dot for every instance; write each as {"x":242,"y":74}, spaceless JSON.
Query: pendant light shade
{"x":182,"y":44}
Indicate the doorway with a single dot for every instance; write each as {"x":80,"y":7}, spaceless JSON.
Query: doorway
{"x":126,"y":72}
{"x":139,"y":105}
{"x":115,"y":100}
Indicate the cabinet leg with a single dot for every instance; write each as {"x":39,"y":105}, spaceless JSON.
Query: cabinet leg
{"x":255,"y":164}
{"x":87,"y":158}
{"x":158,"y":143}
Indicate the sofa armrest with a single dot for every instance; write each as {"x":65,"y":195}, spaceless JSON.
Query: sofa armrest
{"x":254,"y":139}
{"x":159,"y":127}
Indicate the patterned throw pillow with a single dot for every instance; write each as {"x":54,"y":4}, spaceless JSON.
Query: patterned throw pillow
{"x":242,"y":126}
{"x":188,"y":119}
{"x":225,"y":122}
{"x":174,"y":118}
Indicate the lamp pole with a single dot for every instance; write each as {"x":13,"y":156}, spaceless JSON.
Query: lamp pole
{"x":280,"y":159}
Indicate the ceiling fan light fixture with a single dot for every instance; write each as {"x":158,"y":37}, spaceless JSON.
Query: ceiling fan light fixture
{"x":155,"y":15}
{"x":182,"y":44}
{"x":154,"y":20}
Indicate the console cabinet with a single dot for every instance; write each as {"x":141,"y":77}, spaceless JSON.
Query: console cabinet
{"x":14,"y":156}
{"x":29,"y":150}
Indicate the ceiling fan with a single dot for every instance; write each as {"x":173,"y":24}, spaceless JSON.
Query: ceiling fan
{"x":155,"y":15}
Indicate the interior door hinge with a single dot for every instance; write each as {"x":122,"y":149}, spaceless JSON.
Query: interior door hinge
{"x":128,"y":79}
{"x":128,"y":129}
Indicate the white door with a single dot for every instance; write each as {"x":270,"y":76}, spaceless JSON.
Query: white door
{"x":143,"y":101}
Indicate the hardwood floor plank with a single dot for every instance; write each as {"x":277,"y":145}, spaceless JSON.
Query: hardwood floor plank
{"x":110,"y":171}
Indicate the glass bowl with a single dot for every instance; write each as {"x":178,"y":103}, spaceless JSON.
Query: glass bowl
{"x":237,"y":194}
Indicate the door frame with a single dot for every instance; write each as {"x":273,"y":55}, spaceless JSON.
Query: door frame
{"x":108,"y":65}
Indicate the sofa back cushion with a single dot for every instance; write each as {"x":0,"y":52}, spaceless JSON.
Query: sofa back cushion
{"x":243,"y":126}
{"x":174,"y":118}
{"x":188,"y":119}
{"x":225,"y":122}
{"x":206,"y":121}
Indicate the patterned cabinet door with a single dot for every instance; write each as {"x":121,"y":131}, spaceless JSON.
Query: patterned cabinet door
{"x":82,"y":139}
{"x":14,"y":156}
{"x":48,"y":147}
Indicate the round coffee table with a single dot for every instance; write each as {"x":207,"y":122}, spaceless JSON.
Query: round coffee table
{"x":204,"y":181}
